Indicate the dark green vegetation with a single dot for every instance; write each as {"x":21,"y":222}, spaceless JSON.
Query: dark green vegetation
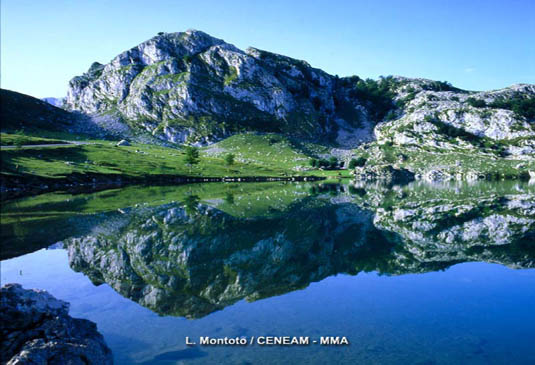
{"x":331,"y":163}
{"x":230,"y":159}
{"x":523,"y":107}
{"x":357,"y":162}
{"x":378,"y":96}
{"x":192,"y":155}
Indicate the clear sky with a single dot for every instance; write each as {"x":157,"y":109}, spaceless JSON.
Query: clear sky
{"x":477,"y":45}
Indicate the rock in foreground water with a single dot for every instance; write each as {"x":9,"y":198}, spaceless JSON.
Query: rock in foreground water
{"x":36,"y":328}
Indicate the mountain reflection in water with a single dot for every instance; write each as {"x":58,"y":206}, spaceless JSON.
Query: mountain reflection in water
{"x":191,"y":250}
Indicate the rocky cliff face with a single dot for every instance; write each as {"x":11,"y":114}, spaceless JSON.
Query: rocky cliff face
{"x":453,"y":119}
{"x":439,"y":133}
{"x":191,"y":87}
{"x":37,"y":329}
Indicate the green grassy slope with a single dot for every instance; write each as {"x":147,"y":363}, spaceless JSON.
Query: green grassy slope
{"x":269,"y":155}
{"x":270,"y":150}
{"x":106,"y":158}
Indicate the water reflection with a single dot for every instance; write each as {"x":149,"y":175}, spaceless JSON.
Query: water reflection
{"x":189,"y":251}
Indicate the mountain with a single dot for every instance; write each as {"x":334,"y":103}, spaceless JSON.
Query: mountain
{"x":54,"y":101}
{"x":191,"y":87}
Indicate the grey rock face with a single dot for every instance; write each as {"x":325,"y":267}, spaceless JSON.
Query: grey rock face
{"x":37,"y":329}
{"x":191,"y":87}
{"x":448,"y":120}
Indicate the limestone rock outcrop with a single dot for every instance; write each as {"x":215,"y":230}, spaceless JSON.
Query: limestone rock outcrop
{"x":37,"y":329}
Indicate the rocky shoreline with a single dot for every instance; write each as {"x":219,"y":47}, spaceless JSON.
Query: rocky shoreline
{"x":36,"y":328}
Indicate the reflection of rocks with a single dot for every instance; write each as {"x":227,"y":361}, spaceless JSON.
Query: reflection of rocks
{"x":191,"y":264}
{"x":440,"y":224}
{"x":190,"y":260}
{"x":36,"y":329}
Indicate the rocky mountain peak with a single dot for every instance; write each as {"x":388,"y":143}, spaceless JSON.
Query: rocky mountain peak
{"x":190,"y":87}
{"x":165,"y":46}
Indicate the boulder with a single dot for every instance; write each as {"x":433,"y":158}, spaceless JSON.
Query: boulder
{"x":123,"y":142}
{"x":36,"y":328}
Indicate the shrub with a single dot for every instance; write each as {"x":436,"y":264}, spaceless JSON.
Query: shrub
{"x":191,"y":204}
{"x":361,"y":161}
{"x":376,"y":95}
{"x":323,"y":163}
{"x":333,"y":162}
{"x":440,"y":86}
{"x":522,"y":107}
{"x":391,"y":115}
{"x":229,"y":159}
{"x":476,"y":103}
{"x":192,"y":155}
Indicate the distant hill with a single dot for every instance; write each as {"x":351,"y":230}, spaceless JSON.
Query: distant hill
{"x":24,"y":112}
{"x":55,"y":101}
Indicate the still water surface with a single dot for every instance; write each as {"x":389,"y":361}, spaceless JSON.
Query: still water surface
{"x":418,"y":274}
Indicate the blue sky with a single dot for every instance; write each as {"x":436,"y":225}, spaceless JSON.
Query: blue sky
{"x":475,"y":45}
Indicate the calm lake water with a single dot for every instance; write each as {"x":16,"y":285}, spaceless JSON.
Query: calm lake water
{"x":419,"y":274}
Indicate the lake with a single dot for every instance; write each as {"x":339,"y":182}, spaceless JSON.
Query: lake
{"x":419,"y":274}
